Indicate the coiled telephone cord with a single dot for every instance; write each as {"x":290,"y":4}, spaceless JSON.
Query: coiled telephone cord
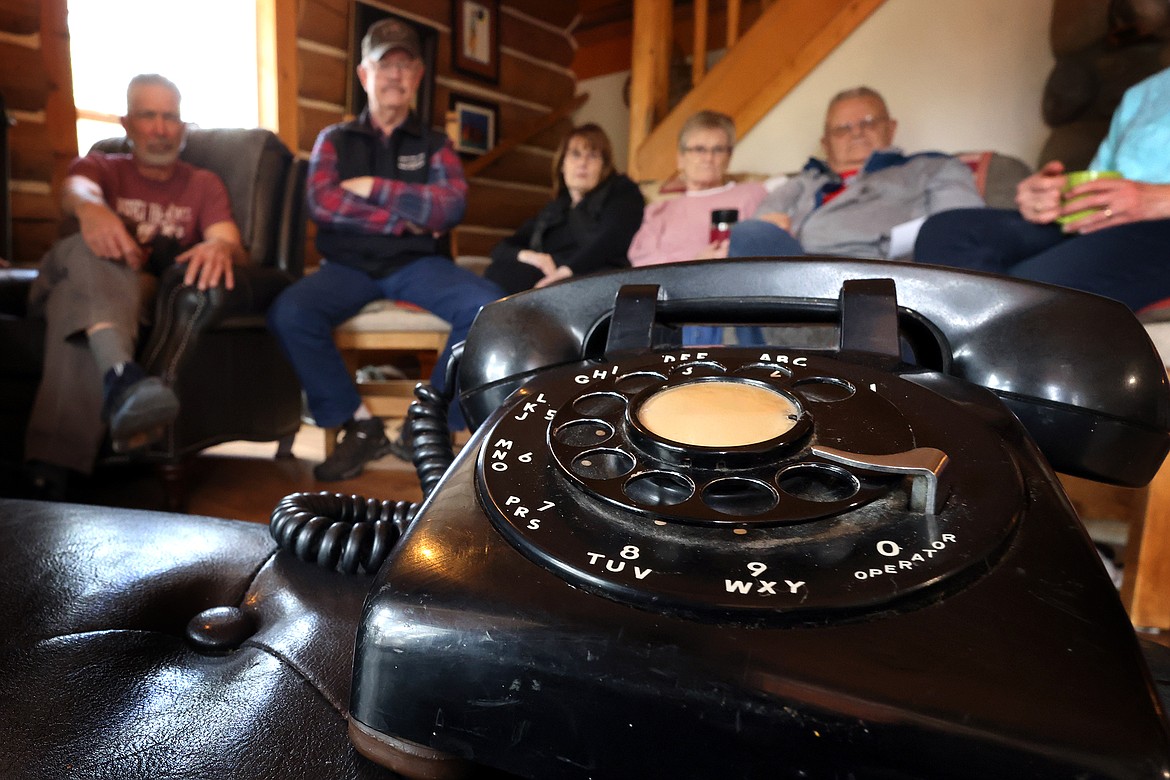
{"x":352,"y":533}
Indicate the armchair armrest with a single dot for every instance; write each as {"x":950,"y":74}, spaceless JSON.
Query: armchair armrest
{"x":14,"y":287}
{"x":183,"y":313}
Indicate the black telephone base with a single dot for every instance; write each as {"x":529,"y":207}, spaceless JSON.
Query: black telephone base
{"x":532,"y":649}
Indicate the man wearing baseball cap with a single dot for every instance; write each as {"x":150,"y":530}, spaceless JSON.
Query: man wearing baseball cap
{"x":383,"y":189}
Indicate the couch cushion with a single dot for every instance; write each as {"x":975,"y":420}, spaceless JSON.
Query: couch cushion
{"x":386,"y":315}
{"x":104,"y":677}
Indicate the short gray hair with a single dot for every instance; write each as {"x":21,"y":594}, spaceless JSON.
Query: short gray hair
{"x":858,"y":92}
{"x":151,"y":80}
{"x":707,"y":120}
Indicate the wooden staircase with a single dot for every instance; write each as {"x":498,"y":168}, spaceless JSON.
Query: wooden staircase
{"x":784,"y":44}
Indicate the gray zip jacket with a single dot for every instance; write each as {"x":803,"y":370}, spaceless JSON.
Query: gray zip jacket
{"x":891,"y":189}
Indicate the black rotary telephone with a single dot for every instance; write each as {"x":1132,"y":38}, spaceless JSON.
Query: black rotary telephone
{"x":785,"y":562}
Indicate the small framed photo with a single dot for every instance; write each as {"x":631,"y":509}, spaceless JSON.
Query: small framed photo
{"x":475,"y":44}
{"x":473,"y":125}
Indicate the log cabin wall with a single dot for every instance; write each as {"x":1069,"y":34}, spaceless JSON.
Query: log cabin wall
{"x":535,"y":52}
{"x":37,"y":85}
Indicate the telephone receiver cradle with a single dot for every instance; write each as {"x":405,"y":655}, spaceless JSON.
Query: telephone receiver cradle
{"x":788,"y":561}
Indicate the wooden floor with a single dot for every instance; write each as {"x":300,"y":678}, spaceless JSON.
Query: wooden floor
{"x":244,"y":481}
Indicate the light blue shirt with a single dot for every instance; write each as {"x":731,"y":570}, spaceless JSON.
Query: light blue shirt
{"x":1138,"y":143}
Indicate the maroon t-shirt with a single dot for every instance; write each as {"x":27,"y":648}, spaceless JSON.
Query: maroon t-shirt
{"x":165,"y":217}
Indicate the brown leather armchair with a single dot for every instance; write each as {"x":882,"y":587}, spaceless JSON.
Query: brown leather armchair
{"x":212,"y":346}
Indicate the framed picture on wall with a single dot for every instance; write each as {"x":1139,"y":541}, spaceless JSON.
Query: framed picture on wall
{"x":472,"y":125}
{"x":475,"y":38}
{"x":365,"y":15}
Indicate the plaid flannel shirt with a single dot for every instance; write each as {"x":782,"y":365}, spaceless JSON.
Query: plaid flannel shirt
{"x":393,"y":205}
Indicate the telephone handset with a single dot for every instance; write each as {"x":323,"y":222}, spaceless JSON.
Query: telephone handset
{"x":652,"y":560}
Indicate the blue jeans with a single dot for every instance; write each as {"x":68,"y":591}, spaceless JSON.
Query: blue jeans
{"x":750,"y":238}
{"x":706,"y":335}
{"x":304,"y":315}
{"x":1126,"y":263}
{"x":757,"y":238}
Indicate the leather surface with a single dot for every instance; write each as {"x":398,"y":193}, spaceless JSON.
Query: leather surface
{"x":101,"y":682}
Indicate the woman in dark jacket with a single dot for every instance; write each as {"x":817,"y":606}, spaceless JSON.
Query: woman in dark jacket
{"x":587,"y":227}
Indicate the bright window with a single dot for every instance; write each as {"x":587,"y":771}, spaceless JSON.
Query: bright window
{"x":208,"y":49}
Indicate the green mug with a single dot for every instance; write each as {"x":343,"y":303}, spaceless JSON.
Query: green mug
{"x":1074,"y":178}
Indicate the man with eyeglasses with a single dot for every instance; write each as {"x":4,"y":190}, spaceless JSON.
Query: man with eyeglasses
{"x":383,"y":189}
{"x":865,"y":199}
{"x":138,"y":213}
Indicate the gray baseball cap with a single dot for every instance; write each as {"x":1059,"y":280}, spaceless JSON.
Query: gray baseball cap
{"x":388,"y":34}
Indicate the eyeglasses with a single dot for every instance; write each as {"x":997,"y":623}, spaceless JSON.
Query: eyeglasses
{"x":865,"y":125}
{"x":703,"y":151}
{"x":396,"y":66}
{"x":590,"y":155}
{"x":151,"y":116}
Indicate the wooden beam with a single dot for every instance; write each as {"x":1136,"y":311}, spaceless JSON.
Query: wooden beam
{"x":699,"y":45}
{"x":60,"y":114}
{"x":733,"y":9}
{"x":649,"y":69}
{"x":748,"y":82}
{"x":276,"y":67}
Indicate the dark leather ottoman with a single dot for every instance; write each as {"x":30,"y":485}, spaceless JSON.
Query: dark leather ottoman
{"x":99,"y":679}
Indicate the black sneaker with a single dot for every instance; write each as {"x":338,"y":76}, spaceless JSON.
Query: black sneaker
{"x":362,"y":441}
{"x":138,"y":408}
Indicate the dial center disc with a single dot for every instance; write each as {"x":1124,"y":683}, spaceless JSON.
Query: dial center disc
{"x":718,"y":413}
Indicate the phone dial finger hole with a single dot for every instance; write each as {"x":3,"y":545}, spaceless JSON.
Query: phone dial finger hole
{"x":738,"y":496}
{"x":637,"y":382}
{"x":602,"y":464}
{"x":584,"y":433}
{"x":599,"y":404}
{"x":821,"y":484}
{"x":659,"y":488}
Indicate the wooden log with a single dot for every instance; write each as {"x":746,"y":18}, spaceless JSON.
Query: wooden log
{"x":30,"y":152}
{"x":535,"y":40}
{"x":323,"y":77}
{"x":557,"y":14}
{"x":23,"y":79}
{"x":20,"y":17}
{"x":35,"y":206}
{"x":524,"y":165}
{"x":325,"y":22}
{"x":311,"y":121}
{"x":499,"y":205}
{"x":551,"y":138}
{"x":534,"y":83}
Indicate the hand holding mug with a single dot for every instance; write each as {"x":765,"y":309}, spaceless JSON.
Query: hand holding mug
{"x":1086,"y":200}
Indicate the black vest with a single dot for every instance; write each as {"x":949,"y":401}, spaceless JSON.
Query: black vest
{"x":404,"y":156}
